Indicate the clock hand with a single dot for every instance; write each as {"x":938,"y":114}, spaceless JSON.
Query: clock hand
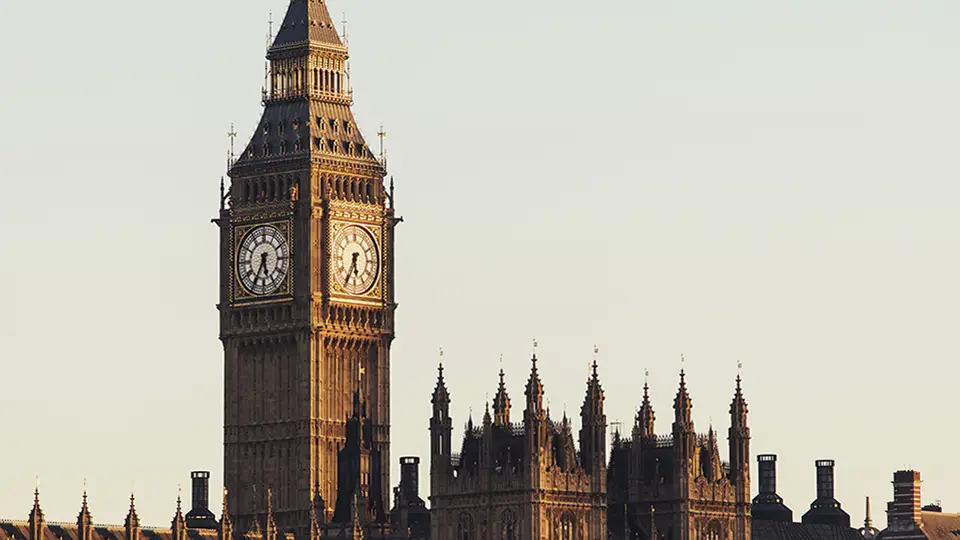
{"x":263,"y":266}
{"x":353,"y":268}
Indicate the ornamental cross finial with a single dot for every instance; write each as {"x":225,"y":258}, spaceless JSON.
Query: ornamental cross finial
{"x":382,"y":134}
{"x":232,"y":135}
{"x":441,"y":355}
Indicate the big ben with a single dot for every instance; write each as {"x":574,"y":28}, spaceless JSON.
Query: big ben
{"x":306,"y":283}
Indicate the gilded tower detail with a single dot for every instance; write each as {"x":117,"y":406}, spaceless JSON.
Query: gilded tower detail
{"x":306,"y":285}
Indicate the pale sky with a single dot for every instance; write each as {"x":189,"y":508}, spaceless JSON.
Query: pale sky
{"x":769,"y":182}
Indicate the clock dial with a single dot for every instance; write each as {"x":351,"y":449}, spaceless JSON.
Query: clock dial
{"x":263,"y":260}
{"x":356,"y":262}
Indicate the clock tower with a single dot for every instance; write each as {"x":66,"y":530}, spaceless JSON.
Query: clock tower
{"x":306,"y":284}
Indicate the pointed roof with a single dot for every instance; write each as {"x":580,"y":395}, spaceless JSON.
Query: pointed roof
{"x":645,"y":416}
{"x":132,"y":521}
{"x":36,"y":514}
{"x":308,"y":22}
{"x":682,"y":404}
{"x":501,"y":404}
{"x":738,"y":407}
{"x":178,"y":522}
{"x":534,"y":391}
{"x":83,"y":518}
{"x":593,"y":400}
{"x":440,"y":394}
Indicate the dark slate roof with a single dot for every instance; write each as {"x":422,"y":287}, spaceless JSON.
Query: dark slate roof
{"x":763,"y":529}
{"x":308,"y":21}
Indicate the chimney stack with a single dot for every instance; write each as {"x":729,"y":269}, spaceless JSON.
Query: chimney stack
{"x":767,"y":504}
{"x":905,"y":507}
{"x":768,"y":472}
{"x":825,"y":510}
{"x":200,"y":516}
{"x":410,"y":477}
{"x":825,"y":478}
{"x":201,"y":490}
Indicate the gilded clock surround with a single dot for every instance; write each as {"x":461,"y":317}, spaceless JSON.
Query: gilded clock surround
{"x":239,"y":292}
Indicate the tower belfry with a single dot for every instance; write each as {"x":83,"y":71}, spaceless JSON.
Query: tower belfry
{"x":306,"y":299}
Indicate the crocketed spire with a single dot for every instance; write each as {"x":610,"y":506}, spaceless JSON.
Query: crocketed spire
{"x":645,"y":416}
{"x":501,"y":404}
{"x":131,"y":524}
{"x":593,"y":400}
{"x":683,"y":405}
{"x":178,"y":525}
{"x":593,"y":429}
{"x":440,"y":395}
{"x":738,"y":408}
{"x":534,"y":391}
{"x":84,"y":520}
{"x":36,"y":516}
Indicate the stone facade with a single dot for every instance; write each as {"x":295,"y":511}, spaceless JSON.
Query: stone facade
{"x":306,"y":285}
{"x":519,"y":481}
{"x":676,"y":487}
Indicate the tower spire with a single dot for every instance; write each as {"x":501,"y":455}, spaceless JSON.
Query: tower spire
{"x":501,"y":402}
{"x":682,"y":404}
{"x":645,"y":416}
{"x":36,"y":520}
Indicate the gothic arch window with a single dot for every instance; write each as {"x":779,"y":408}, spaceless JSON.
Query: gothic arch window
{"x":246,"y":192}
{"x":568,"y":526}
{"x":465,"y":527}
{"x":508,"y":525}
{"x":714,"y":531}
{"x":316,"y":83}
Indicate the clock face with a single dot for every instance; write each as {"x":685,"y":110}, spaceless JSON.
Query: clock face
{"x":355,"y":263}
{"x":263,"y":260}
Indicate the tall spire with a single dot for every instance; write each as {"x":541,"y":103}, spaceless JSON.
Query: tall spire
{"x":131,"y":524}
{"x":501,"y":404}
{"x":683,"y":405}
{"x":36,"y":515}
{"x":645,"y":417}
{"x":440,"y":395}
{"x":593,"y":430}
{"x":738,"y":409}
{"x":84,"y":521}
{"x":534,"y":392}
{"x":178,"y":525}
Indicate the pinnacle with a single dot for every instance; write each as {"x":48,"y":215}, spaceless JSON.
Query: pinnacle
{"x":308,"y":23}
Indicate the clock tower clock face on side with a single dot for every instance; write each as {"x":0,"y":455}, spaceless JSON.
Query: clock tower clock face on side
{"x":355,"y":260}
{"x":263,"y":260}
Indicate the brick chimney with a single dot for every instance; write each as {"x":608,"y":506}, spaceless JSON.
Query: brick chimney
{"x":905,"y":507}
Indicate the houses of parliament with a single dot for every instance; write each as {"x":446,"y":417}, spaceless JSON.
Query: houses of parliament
{"x":307,"y":310}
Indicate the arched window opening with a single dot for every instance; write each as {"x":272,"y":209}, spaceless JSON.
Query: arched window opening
{"x":465,"y":527}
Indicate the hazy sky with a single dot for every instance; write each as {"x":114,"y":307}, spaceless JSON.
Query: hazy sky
{"x":770,"y":182}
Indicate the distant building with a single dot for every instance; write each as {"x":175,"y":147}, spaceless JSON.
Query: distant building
{"x":773,"y":520}
{"x":676,"y":487}
{"x":906,"y":520}
{"x":519,"y":481}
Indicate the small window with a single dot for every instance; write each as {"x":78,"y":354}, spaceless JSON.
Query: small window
{"x":266,"y":128}
{"x":333,"y":125}
{"x":320,"y":123}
